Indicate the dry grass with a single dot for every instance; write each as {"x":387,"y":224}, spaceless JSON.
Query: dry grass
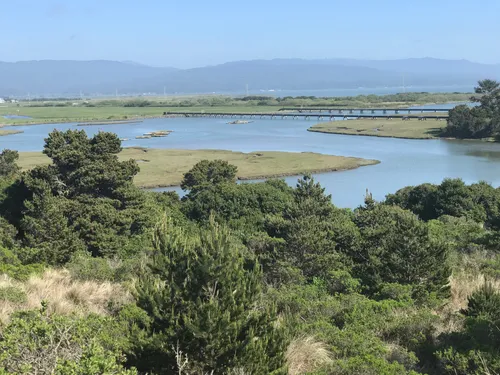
{"x":305,"y":354}
{"x":63,"y":295}
{"x":166,"y":167}
{"x":462,"y":284}
{"x":395,"y":128}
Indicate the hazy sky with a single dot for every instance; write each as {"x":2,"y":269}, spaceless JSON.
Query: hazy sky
{"x":203,"y":32}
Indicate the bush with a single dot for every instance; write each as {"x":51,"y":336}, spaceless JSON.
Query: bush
{"x":12,"y":294}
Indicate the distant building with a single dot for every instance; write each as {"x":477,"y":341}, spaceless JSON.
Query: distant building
{"x":2,"y":100}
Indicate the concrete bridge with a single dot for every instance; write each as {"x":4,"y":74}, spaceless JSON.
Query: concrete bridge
{"x":361,"y":110}
{"x":319,"y":116}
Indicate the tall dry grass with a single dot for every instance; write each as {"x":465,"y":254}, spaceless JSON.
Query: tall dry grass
{"x":306,"y":354}
{"x":463,"y":283}
{"x":64,"y":295}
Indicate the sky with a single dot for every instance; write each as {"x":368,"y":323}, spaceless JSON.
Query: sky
{"x":194,"y":33}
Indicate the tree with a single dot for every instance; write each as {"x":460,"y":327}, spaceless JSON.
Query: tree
{"x":208,"y":172}
{"x":481,"y":121}
{"x":86,"y":196}
{"x":8,"y":166}
{"x":203,"y":301}
{"x":397,"y":247}
{"x":317,"y":236}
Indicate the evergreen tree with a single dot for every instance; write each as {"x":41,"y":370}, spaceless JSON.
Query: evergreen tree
{"x":204,"y":302}
{"x":397,"y":247}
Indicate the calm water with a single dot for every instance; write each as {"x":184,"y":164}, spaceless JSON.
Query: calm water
{"x":403,"y":162}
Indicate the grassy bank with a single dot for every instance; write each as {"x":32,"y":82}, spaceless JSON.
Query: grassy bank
{"x":166,"y":167}
{"x":396,"y":128}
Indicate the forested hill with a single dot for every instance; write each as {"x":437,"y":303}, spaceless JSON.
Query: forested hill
{"x":106,"y":77}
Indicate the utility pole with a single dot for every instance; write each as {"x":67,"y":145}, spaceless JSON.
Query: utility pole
{"x":404,"y":87}
{"x":164,"y":91}
{"x":247,"y":88}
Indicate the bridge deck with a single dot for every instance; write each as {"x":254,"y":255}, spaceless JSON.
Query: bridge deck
{"x":302,"y":115}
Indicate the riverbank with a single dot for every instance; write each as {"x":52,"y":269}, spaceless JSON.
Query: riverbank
{"x":163,"y":168}
{"x":395,"y":128}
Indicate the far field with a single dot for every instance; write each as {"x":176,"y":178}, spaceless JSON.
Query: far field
{"x":166,"y":167}
{"x":396,"y":128}
{"x":87,"y":110}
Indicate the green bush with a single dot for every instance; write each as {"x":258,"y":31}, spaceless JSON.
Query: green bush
{"x":12,"y":294}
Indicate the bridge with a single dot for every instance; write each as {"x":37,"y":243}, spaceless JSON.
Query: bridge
{"x":362,"y":110}
{"x":319,"y":116}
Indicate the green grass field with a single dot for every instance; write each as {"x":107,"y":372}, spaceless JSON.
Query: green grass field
{"x":396,"y":128}
{"x":166,"y":167}
{"x":85,"y":114}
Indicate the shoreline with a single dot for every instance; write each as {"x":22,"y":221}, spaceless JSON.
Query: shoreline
{"x":429,"y":138}
{"x":277,"y":175}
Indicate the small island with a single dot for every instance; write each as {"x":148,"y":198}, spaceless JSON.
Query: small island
{"x":9,"y":132}
{"x":155,"y":134}
{"x":239,"y":122}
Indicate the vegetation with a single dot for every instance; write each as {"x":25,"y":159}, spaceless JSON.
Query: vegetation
{"x":413,"y":129}
{"x":482,"y":121}
{"x":9,"y":132}
{"x":162,"y":167}
{"x":100,"y":277}
{"x":78,"y":110}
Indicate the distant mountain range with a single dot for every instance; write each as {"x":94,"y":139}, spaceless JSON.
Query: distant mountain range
{"x":66,"y":78}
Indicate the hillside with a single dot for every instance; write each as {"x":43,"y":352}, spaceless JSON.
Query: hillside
{"x":106,"y":77}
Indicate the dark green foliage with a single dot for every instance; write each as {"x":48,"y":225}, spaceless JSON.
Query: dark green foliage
{"x":316,"y":235}
{"x":8,"y":166}
{"x":202,"y":301}
{"x":206,"y":173}
{"x":479,"y":202}
{"x":397,"y":248}
{"x":84,"y":200}
{"x":242,"y":207}
{"x":477,"y":122}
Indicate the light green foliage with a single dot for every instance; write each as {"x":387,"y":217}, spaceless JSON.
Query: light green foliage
{"x":36,"y":343}
{"x":202,"y":300}
{"x":12,"y":294}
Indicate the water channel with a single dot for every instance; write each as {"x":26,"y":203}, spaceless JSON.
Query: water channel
{"x":403,"y":162}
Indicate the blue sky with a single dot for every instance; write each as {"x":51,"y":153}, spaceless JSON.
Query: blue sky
{"x":203,"y":32}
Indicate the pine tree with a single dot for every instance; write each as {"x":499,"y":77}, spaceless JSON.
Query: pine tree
{"x":203,"y":299}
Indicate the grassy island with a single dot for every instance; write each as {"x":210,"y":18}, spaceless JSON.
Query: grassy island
{"x":9,"y":132}
{"x":395,"y":128}
{"x":163,"y":167}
